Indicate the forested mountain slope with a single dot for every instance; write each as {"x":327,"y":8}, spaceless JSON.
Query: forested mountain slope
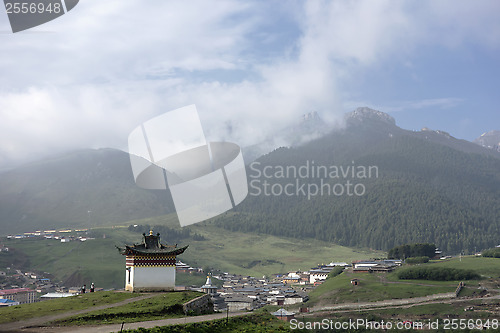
{"x":382,"y":186}
{"x":430,"y":187}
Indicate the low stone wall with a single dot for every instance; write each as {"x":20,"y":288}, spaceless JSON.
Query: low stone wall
{"x":202,"y":304}
{"x":459,"y":288}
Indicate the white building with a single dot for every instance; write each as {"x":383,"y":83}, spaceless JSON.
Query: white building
{"x":150,"y":266}
{"x":336,"y":264}
{"x":56,"y":295}
{"x":318,"y":275}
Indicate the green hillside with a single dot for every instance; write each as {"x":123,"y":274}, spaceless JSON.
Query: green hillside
{"x":56,"y":306}
{"x":382,"y":286}
{"x":373,"y":287}
{"x":425,"y":189}
{"x":115,"y":307}
{"x":165,"y":305}
{"x":487,"y":267}
{"x":98,"y":260}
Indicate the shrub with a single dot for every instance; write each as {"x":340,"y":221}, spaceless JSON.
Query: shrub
{"x":412,"y":250}
{"x":417,"y":260}
{"x":436,"y":273}
{"x":492,"y":253}
{"x":335,"y":271}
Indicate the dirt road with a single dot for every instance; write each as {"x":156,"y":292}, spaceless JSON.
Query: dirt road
{"x":395,"y":303}
{"x":33,"y":325}
{"x":144,"y":324}
{"x":402,"y":301}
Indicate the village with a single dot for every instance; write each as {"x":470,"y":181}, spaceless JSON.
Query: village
{"x":236,"y":293}
{"x":155,"y":267}
{"x":64,"y":235}
{"x":248,"y":293}
{"x":228,"y":292}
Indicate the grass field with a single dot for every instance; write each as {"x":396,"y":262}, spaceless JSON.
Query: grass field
{"x":488,"y":267}
{"x":254,"y":323}
{"x":257,"y":255}
{"x":55,"y":306}
{"x":98,"y":260}
{"x":441,"y":310}
{"x":481,"y":309}
{"x":434,"y":309}
{"x":374,"y":287}
{"x":165,"y":305}
{"x":422,"y":315}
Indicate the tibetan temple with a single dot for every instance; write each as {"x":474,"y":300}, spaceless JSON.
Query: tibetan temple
{"x":150,"y":266}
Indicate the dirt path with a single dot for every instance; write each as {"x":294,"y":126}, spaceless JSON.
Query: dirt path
{"x":128,"y":326}
{"x":32,"y":325}
{"x":395,"y":303}
{"x":365,"y":305}
{"x":449,"y":301}
{"x":38,"y":321}
{"x":383,"y":279}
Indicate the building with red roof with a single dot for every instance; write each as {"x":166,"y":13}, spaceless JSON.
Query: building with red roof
{"x":21,"y":295}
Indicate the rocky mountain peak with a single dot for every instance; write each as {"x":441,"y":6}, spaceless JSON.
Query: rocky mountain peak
{"x":446,"y":134}
{"x":489,"y":140}
{"x":365,"y":113}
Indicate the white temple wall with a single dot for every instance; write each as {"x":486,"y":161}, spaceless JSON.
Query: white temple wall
{"x":147,"y":278}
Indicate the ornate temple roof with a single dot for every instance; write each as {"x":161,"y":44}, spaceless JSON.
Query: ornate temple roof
{"x":151,"y":246}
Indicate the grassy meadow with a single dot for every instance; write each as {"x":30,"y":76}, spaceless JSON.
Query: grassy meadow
{"x":165,"y":305}
{"x":374,"y":287}
{"x":99,"y":261}
{"x":382,"y":286}
{"x":56,"y":306}
{"x":487,"y":267}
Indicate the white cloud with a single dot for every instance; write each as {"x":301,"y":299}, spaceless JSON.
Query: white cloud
{"x":46,"y":121}
{"x":110,"y":65}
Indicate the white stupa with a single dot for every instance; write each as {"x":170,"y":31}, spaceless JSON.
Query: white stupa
{"x":208,"y":287}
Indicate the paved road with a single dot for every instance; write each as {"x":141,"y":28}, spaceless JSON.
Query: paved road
{"x":144,"y":324}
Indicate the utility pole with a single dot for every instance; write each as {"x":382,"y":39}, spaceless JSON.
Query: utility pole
{"x":88,"y":219}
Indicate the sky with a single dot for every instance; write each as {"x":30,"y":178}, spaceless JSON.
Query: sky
{"x":88,"y":78}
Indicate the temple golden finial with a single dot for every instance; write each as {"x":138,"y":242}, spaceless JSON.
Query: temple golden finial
{"x":150,"y":232}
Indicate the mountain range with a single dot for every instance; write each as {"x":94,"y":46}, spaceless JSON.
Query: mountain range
{"x":83,"y":189}
{"x":428,"y":187}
